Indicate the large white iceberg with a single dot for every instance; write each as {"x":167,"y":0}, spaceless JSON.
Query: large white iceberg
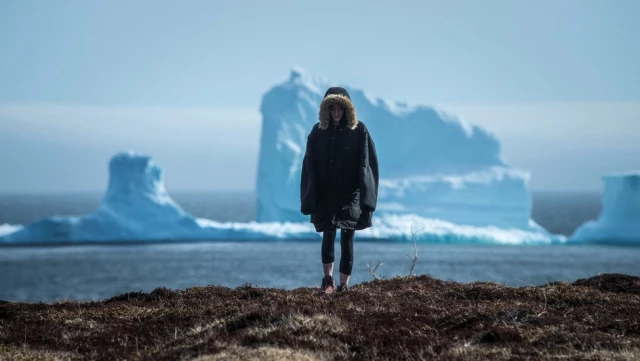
{"x":432,"y":165}
{"x":619,"y":220}
{"x":439,"y":176}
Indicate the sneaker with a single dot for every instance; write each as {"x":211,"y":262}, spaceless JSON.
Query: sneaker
{"x":328,"y":285}
{"x":343,"y":287}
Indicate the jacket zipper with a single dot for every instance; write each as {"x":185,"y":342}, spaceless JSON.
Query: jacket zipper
{"x":333,"y":172}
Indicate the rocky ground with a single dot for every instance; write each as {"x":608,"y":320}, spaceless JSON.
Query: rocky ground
{"x":415,"y":318}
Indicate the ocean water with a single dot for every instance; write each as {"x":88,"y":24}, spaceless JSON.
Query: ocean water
{"x":42,"y":274}
{"x":97,"y":272}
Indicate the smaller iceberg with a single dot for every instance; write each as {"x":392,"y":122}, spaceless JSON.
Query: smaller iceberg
{"x":619,"y":220}
{"x":136,"y":206}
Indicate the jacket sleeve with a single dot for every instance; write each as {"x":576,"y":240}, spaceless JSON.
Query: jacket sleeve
{"x":369,"y":177}
{"x":308,"y":184}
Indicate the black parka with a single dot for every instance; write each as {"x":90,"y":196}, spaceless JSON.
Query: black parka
{"x":339,"y":180}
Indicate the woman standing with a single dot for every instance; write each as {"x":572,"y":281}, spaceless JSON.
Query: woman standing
{"x":339,"y":181}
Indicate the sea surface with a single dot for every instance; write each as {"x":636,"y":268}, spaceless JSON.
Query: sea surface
{"x":43,"y":274}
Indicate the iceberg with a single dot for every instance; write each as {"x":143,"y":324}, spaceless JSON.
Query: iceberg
{"x":432,"y":164}
{"x":619,"y":220}
{"x":137,"y":208}
{"x":440,"y":177}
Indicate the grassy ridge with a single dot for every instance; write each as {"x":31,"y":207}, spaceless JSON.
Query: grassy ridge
{"x":403,"y":318}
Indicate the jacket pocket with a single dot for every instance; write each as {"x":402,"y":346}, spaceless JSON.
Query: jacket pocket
{"x":350,"y":207}
{"x":321,"y":212}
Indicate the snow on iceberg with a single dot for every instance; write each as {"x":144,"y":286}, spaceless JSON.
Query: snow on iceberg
{"x":619,"y":220}
{"x":432,"y":165}
{"x":9,"y":228}
{"x":137,"y":207}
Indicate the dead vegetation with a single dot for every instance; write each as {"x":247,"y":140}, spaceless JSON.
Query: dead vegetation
{"x":408,"y":318}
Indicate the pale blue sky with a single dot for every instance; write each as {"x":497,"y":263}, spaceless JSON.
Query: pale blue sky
{"x":557,"y":81}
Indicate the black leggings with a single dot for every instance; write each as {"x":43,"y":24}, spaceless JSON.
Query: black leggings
{"x":346,"y":245}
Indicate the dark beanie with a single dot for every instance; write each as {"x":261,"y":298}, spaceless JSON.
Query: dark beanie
{"x":338,"y":91}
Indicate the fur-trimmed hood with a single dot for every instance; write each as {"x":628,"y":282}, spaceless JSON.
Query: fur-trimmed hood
{"x":339,"y":96}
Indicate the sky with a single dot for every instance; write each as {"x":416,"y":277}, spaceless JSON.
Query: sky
{"x":557,"y":82}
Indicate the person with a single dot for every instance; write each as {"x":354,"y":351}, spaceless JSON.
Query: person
{"x":339,"y":181}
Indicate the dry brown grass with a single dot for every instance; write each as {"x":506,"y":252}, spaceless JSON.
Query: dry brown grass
{"x":409,"y":318}
{"x":234,"y":353}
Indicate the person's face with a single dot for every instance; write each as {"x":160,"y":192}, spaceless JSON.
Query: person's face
{"x":336,"y":112}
